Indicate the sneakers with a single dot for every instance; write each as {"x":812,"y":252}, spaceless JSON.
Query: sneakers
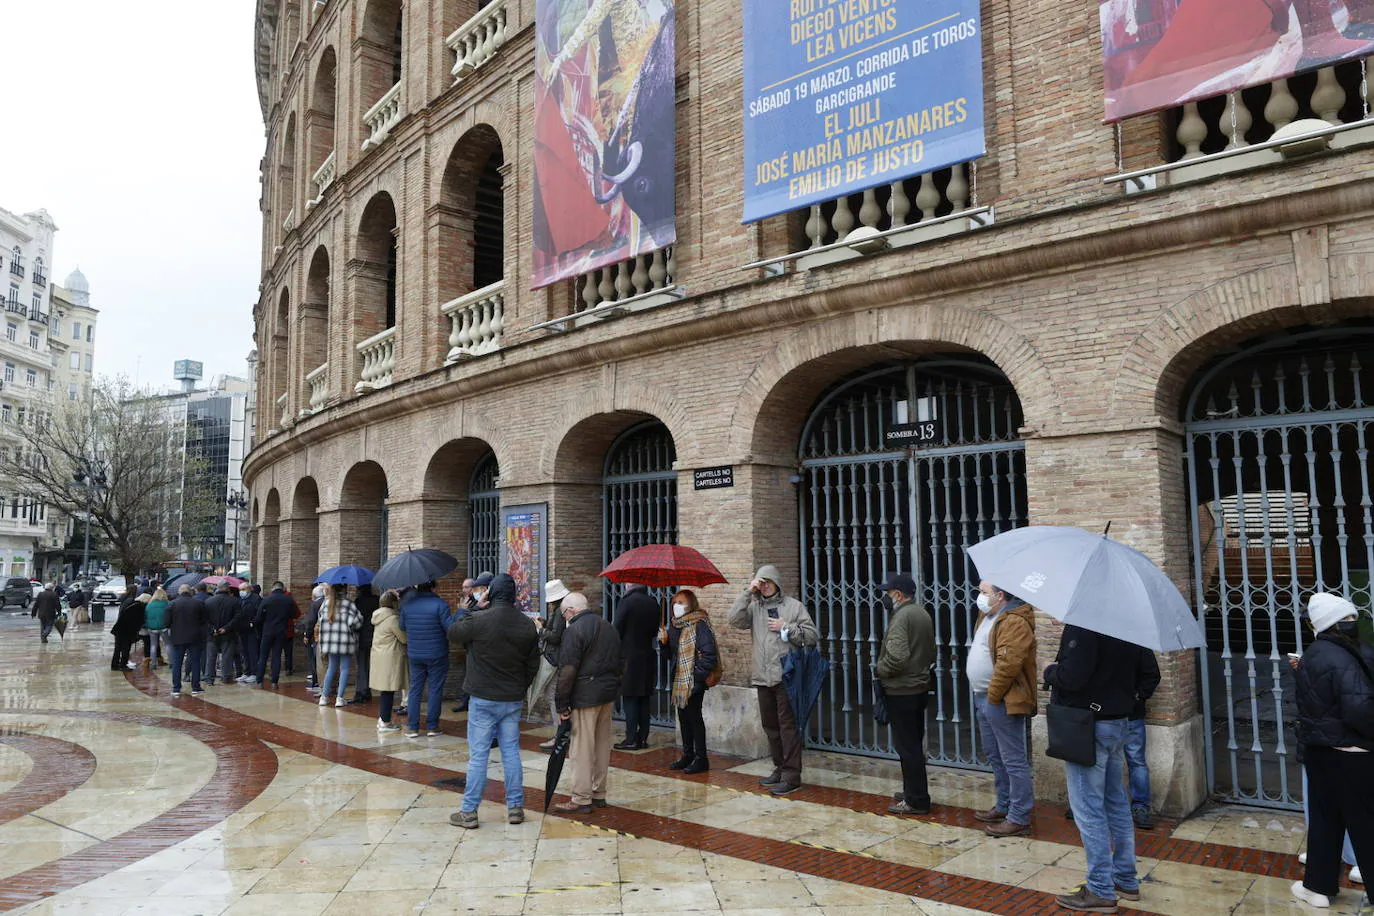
{"x":176,"y":693}
{"x":324,"y":701}
{"x":411,"y":734}
{"x":340,"y":702}
{"x":433,"y":733}
{"x":387,"y":726}
{"x":1143,"y":818}
{"x":769,"y":781}
{"x":1355,"y":876}
{"x":197,"y":693}
{"x":786,"y":788}
{"x":901,"y":807}
{"x":1085,"y":901}
{"x":1302,"y":858}
{"x":515,"y":815}
{"x":466,"y":819}
{"x":1311,"y":898}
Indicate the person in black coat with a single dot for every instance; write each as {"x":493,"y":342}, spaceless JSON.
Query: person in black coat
{"x":1335,"y":730}
{"x":223,"y":609}
{"x":366,"y":602}
{"x":126,"y":627}
{"x":189,"y":626}
{"x":278,"y":610}
{"x":693,"y":656}
{"x":637,"y":621}
{"x":46,"y":607}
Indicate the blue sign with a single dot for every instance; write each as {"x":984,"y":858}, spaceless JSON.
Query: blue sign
{"x":845,"y":95}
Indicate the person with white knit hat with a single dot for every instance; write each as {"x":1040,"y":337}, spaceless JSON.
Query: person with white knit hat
{"x":1335,"y":730}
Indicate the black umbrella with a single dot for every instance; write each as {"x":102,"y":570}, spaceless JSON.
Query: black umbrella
{"x":557,"y":756}
{"x":414,"y":567}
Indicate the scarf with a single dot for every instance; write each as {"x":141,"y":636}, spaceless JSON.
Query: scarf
{"x":686,"y":655}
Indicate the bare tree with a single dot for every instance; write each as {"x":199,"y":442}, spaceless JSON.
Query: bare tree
{"x":121,"y":456}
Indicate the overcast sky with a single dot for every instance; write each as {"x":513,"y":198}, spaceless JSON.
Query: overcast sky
{"x":136,"y":125}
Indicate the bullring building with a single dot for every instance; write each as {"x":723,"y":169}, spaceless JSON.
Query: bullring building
{"x":544,"y":280}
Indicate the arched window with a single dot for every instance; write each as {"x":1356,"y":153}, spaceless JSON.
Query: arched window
{"x":315,"y":313}
{"x":17,"y":262}
{"x":382,"y":49}
{"x":40,"y":278}
{"x":320,"y":118}
{"x":472,"y":215}
{"x":286,"y":174}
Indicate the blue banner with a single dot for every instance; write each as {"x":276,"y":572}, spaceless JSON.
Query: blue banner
{"x":845,"y":95}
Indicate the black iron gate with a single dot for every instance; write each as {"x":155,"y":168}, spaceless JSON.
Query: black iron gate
{"x":639,"y":506}
{"x":484,"y":517}
{"x":1278,"y":440}
{"x":869,"y":508}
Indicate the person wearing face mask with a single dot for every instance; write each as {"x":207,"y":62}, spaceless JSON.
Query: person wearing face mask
{"x":246,"y":625}
{"x":476,"y":597}
{"x":908,"y":651}
{"x":778,"y":623}
{"x":1335,"y":730}
{"x":694,"y":657}
{"x":1001,"y":673}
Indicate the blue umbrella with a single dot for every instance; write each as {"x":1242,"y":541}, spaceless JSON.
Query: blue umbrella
{"x":1090,"y":581}
{"x":803,"y":673}
{"x":414,"y":567}
{"x":346,"y":575}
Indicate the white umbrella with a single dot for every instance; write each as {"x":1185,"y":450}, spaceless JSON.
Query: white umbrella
{"x":1090,"y":581}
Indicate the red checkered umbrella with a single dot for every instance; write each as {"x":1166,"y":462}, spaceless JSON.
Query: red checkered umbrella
{"x":660,"y":565}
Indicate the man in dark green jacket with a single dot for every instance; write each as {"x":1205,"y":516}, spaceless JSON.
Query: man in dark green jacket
{"x":904,"y":663}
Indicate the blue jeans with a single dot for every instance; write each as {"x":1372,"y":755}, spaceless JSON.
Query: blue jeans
{"x":1347,"y":850}
{"x":1102,"y":812}
{"x":195,"y":653}
{"x":335,"y":663}
{"x":1004,"y":741}
{"x":431,"y":673}
{"x":1137,"y":770}
{"x":486,"y":717}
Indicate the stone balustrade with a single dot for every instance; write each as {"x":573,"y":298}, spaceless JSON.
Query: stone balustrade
{"x":909,"y":202}
{"x":382,"y":117}
{"x":476,"y":321}
{"x":474,"y":42}
{"x":378,"y":355}
{"x":324,"y":177}
{"x":637,"y":276}
{"x":318,"y":383}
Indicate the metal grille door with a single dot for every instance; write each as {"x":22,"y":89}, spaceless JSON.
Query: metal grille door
{"x":1278,"y":440}
{"x":484,"y":517}
{"x":869,"y":509}
{"x":639,"y":506}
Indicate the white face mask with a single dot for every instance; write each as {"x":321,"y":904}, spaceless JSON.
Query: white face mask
{"x":679,"y":610}
{"x":984,"y":603}
{"x":245,"y":593}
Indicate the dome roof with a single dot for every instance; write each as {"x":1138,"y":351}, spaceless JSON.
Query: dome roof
{"x":76,"y":282}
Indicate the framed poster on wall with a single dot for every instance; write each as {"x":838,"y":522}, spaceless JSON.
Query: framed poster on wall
{"x":524,"y":553}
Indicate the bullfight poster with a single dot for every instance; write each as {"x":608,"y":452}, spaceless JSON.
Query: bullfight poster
{"x":1161,"y":53}
{"x":524,"y":547}
{"x":845,"y":95}
{"x":604,"y":133}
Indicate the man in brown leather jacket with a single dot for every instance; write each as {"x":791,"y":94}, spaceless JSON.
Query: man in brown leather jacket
{"x":1001,"y":671}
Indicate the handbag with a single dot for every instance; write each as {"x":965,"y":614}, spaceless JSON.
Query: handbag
{"x":880,"y":713}
{"x":1072,"y":733}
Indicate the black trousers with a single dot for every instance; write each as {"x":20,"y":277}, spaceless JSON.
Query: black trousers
{"x":270,"y":651}
{"x":636,"y":719}
{"x":1340,"y":800}
{"x":693,"y":726}
{"x":780,"y":726}
{"x":120,"y":660}
{"x":908,"y":715}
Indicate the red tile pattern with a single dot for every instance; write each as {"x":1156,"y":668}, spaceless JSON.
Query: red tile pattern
{"x":243,"y":768}
{"x":59,"y":767}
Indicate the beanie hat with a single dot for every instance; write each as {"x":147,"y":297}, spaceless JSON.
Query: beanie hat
{"x":1326,"y":609}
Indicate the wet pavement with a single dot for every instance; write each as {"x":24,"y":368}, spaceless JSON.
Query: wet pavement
{"x":117,"y":798}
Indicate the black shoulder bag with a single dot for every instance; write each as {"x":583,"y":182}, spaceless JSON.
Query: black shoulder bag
{"x":1072,"y":733}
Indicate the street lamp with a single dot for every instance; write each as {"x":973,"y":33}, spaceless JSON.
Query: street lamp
{"x":237,"y":501}
{"x":92,"y":478}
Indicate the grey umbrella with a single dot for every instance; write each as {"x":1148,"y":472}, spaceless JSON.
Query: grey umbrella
{"x":1091,"y":581}
{"x":414,"y":567}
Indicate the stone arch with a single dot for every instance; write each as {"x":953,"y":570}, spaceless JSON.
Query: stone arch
{"x":269,"y":543}
{"x":363,"y":515}
{"x":315,"y":312}
{"x":281,"y":355}
{"x":470,"y":215}
{"x":376,"y":267}
{"x":774,"y":401}
{"x":286,"y":172}
{"x":381,"y":50}
{"x":609,"y":413}
{"x":321,"y":116}
{"x":446,"y":520}
{"x":303,"y":543}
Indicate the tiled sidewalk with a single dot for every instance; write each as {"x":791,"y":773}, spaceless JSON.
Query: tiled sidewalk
{"x":115,"y":798}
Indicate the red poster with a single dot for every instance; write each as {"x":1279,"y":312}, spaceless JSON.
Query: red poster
{"x":1161,"y":53}
{"x":604,"y":133}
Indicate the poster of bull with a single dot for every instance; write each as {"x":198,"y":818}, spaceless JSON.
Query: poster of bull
{"x":604,"y":133}
{"x":1162,"y":53}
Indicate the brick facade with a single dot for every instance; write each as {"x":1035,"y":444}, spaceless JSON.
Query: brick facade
{"x":1099,"y":307}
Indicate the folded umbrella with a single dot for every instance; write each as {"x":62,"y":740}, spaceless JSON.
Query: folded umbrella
{"x":413,"y":567}
{"x":345,"y":575}
{"x":663,"y":565}
{"x":1090,"y":581}
{"x":803,"y":673}
{"x":561,"y":740}
{"x":60,"y":625}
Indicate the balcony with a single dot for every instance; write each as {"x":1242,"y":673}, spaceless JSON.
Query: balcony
{"x":323,"y":178}
{"x":40,"y":279}
{"x":318,"y":382}
{"x":475,"y":41}
{"x":14,"y":306}
{"x":378,"y":354}
{"x":38,"y":316}
{"x":477,"y":320}
{"x":382,"y":117}
{"x":16,"y":268}
{"x":632,"y":285}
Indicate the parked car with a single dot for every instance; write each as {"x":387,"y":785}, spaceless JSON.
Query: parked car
{"x":37,"y":587}
{"x":109,"y":591}
{"x":17,"y":591}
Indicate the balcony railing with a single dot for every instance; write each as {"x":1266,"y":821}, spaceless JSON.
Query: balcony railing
{"x":323,"y":178}
{"x":475,"y":41}
{"x":378,"y":354}
{"x":40,"y":279}
{"x":630,"y":279}
{"x":17,"y":268}
{"x":290,"y":222}
{"x":285,"y":416}
{"x":319,"y":390}
{"x":15,"y":306}
{"x":38,"y":316}
{"x":476,"y":321}
{"x":382,"y":117}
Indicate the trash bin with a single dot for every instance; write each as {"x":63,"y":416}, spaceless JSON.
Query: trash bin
{"x":97,"y":613}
